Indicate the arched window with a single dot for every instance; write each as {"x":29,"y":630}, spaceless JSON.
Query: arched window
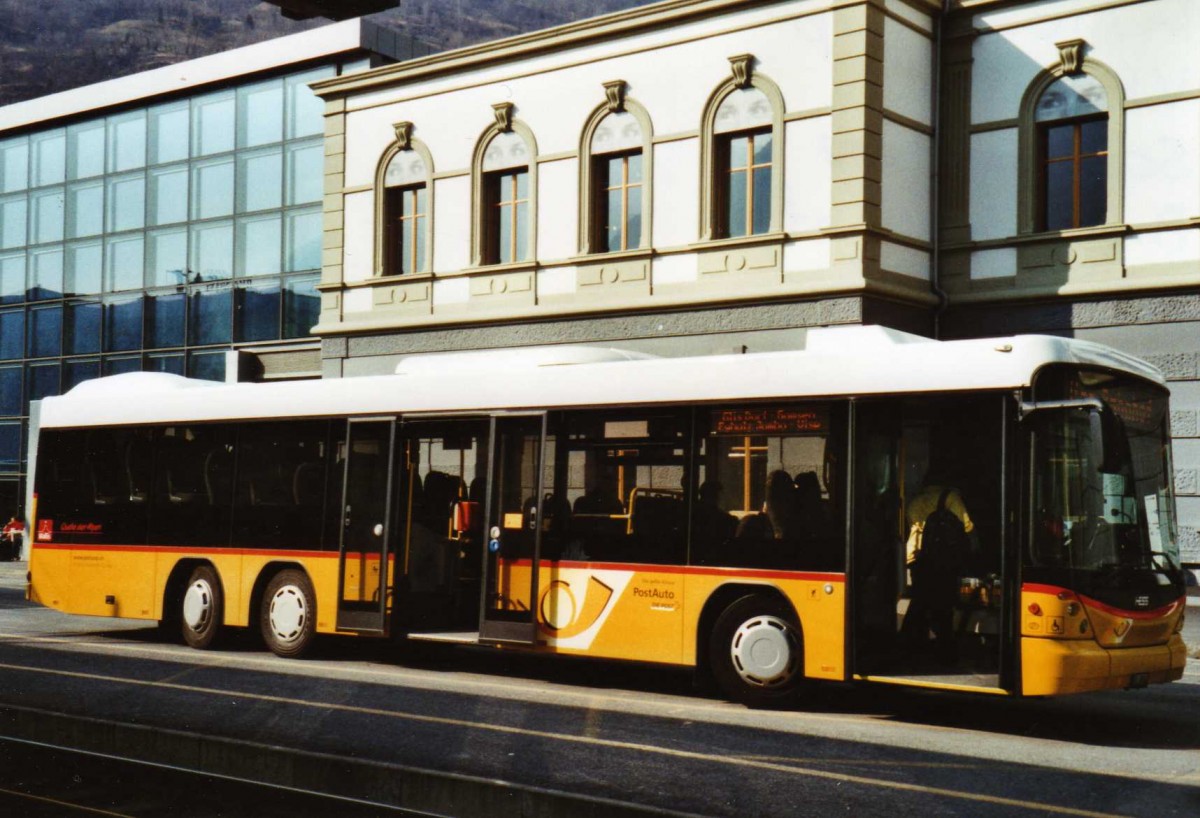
{"x":404,"y":203}
{"x":1071,"y":133}
{"x":1072,"y":124}
{"x":505,"y":173}
{"x":742,"y":136}
{"x":615,"y":176}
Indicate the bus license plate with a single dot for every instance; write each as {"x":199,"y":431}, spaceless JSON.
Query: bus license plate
{"x":1139,"y":680}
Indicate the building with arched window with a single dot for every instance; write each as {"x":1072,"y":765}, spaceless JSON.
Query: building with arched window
{"x":700,"y":176}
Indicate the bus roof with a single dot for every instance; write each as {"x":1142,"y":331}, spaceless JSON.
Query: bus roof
{"x":841,"y":361}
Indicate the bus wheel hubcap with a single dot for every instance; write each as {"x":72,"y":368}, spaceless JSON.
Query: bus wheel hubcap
{"x":197,"y":605}
{"x":764,"y":651}
{"x":287,"y":613}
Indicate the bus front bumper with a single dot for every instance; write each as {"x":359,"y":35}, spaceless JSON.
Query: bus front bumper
{"x":1051,"y":667}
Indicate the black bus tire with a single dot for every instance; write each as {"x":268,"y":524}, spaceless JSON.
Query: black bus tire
{"x":288,"y":614}
{"x":201,"y":608}
{"x":756,"y":653}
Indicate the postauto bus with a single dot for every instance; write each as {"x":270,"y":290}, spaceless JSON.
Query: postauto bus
{"x":745,"y":515}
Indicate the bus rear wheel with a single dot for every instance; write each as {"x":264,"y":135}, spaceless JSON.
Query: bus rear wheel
{"x":288,"y":615}
{"x":201,"y":608}
{"x":755,"y":652}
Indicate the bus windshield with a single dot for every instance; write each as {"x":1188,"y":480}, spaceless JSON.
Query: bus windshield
{"x":1106,"y":529}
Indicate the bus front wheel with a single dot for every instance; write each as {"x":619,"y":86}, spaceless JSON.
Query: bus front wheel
{"x":201,"y":609}
{"x":288,"y":616}
{"x":755,"y":652}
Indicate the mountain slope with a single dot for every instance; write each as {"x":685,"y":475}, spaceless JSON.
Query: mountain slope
{"x":53,"y":45}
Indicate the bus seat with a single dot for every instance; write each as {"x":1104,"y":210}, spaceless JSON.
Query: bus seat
{"x":655,"y":521}
{"x":308,"y":484}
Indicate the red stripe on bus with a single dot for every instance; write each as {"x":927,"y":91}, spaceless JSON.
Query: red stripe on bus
{"x":1157,"y":613}
{"x":692,"y":570}
{"x":179,"y":549}
{"x":1038,"y":588}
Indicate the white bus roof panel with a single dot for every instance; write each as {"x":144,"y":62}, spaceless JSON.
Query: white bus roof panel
{"x":836,"y":362}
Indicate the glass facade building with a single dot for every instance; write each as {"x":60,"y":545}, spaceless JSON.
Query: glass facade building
{"x":156,"y":238}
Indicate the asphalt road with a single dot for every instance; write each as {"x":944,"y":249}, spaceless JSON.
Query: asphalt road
{"x":465,"y":732}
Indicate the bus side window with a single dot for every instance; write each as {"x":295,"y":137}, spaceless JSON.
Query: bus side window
{"x":192,"y":501}
{"x":623,"y":480}
{"x":769,"y":488}
{"x":279,"y":494}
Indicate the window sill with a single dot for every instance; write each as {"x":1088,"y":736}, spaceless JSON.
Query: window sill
{"x":1073,"y":233}
{"x":491,"y":269}
{"x":777,"y":237}
{"x":616,"y":256}
{"x":383,"y":281}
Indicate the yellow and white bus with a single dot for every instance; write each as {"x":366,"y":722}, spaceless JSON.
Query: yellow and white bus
{"x":746,"y":515}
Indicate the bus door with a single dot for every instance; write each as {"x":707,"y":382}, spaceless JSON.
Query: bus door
{"x":513,"y":540}
{"x":441,"y":475}
{"x":363,"y":568}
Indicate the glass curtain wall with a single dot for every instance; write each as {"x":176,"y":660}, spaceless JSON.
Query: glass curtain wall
{"x":156,"y":239}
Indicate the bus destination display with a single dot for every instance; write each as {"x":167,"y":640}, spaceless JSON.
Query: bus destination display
{"x":768,"y":421}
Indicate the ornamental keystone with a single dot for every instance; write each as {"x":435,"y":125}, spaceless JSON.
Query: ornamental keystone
{"x":504,"y":118}
{"x":1070,"y":55}
{"x":403,"y":134}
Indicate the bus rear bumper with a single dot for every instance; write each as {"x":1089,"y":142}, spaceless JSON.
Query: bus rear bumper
{"x":1052,"y":667}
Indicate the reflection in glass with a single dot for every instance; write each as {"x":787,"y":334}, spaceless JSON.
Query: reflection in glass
{"x":210,"y":316}
{"x":121,"y":365}
{"x":1093,"y":190}
{"x":12,"y":278}
{"x":43,"y":380}
{"x":126,"y":203}
{"x":303,"y":250}
{"x":169,"y":133}
{"x":212,"y":189}
{"x":171,"y":364}
{"x":166,"y":257}
{"x":213,"y":123}
{"x":85,"y":150}
{"x":127,"y":141}
{"x":165,"y":320}
{"x":301,"y":306}
{"x":305,"y":178}
{"x":14,"y":164}
{"x":83,"y":324}
{"x":45,"y":274}
{"x":169,"y":195}
{"x":257,"y":313}
{"x":85,"y":209}
{"x":11,"y":389}
{"x":211,"y":251}
{"x":207,"y":366}
{"x":260,"y":180}
{"x":13,"y":214}
{"x":259,"y":240}
{"x":123,"y":324}
{"x":76,"y":372}
{"x":1059,"y":198}
{"x":49,"y":157}
{"x":47,"y":216}
{"x":124,"y":259}
{"x":12,"y":334}
{"x":45,"y":332}
{"x":260,"y":114}
{"x":84,"y":265}
{"x":10,"y":446}
{"x":306,"y":111}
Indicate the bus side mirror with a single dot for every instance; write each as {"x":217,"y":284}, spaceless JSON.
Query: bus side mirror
{"x":1106,"y":438}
